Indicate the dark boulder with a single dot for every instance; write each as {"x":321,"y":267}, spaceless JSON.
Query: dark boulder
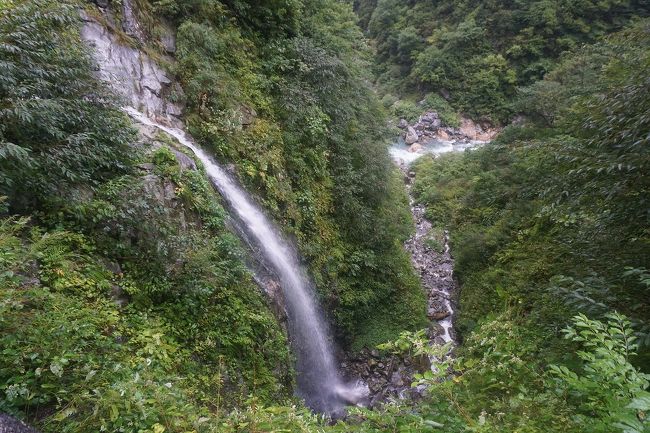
{"x":10,"y":424}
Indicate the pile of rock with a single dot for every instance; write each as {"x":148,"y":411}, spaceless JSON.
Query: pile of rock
{"x":387,"y":376}
{"x":429,"y":128}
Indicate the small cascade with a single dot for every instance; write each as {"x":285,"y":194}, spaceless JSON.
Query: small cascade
{"x":319,"y":382}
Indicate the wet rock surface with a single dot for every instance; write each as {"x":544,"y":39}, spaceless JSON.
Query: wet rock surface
{"x":389,"y":376}
{"x":429,"y":128}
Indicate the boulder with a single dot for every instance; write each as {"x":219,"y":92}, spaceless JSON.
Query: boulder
{"x":168,"y":39}
{"x":439,"y":315}
{"x":443,"y":135}
{"x":429,"y":117}
{"x":10,"y":424}
{"x":130,"y":23}
{"x":403,"y":124}
{"x":248,"y":115}
{"x":469,"y":129}
{"x":415,"y":147}
{"x":396,"y":379}
{"x":487,"y":134}
{"x":162,"y":190}
{"x":146,"y":166}
{"x":434,"y":330}
{"x":184,"y":161}
{"x":411,"y":136}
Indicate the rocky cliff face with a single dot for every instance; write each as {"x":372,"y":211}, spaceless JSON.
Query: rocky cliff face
{"x":146,"y":86}
{"x":140,"y":81}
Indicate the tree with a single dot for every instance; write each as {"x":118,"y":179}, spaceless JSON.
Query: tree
{"x":59,"y":128}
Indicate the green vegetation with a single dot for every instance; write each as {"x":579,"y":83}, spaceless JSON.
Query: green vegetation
{"x":293,"y":111}
{"x":125,"y":302}
{"x":548,"y":221}
{"x":477,"y":53}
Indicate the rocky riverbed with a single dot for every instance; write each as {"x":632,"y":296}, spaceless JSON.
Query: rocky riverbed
{"x":428,"y":135}
{"x":389,"y":376}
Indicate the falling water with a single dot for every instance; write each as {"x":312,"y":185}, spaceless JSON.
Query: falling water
{"x":318,"y":380}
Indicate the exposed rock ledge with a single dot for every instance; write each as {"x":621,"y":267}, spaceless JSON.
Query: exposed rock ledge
{"x":142,"y":83}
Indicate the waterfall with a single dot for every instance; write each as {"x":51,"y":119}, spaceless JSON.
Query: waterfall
{"x":142,"y":84}
{"x":319,"y":383}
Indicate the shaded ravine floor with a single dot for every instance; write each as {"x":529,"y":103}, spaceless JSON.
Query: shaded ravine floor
{"x":389,"y":376}
{"x":431,"y":258}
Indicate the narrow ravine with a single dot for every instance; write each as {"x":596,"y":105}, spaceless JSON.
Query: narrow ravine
{"x":390,"y":376}
{"x":435,"y":266}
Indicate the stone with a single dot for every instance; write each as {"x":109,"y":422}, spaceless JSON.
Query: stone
{"x":162,"y":190}
{"x":422,"y":363}
{"x":184,"y":161}
{"x":114,"y":267}
{"x":518,"y":120}
{"x":435,"y":329}
{"x":469,"y":128}
{"x":440,"y":315}
{"x":487,"y":134}
{"x":396,"y":379}
{"x":248,"y":115}
{"x":10,"y":424}
{"x":443,"y":135}
{"x":101,"y":3}
{"x":173,"y":110}
{"x":140,"y":82}
{"x":403,"y":124}
{"x":130,"y":23}
{"x":29,"y":282}
{"x":168,"y":40}
{"x":415,"y":147}
{"x":146,"y":166}
{"x":421,"y":127}
{"x":429,"y":117}
{"x":411,"y":135}
{"x":118,"y":295}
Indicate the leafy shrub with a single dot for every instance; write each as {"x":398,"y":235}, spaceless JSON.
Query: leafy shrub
{"x":60,"y":131}
{"x":610,"y":387}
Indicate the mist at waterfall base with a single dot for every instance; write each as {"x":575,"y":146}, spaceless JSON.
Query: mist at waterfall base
{"x":319,"y":383}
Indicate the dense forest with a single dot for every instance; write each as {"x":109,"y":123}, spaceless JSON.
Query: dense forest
{"x":473,"y":56}
{"x":127,"y":300}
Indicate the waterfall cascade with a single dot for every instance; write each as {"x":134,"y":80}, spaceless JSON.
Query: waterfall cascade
{"x":318,"y":380}
{"x":142,"y":84}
